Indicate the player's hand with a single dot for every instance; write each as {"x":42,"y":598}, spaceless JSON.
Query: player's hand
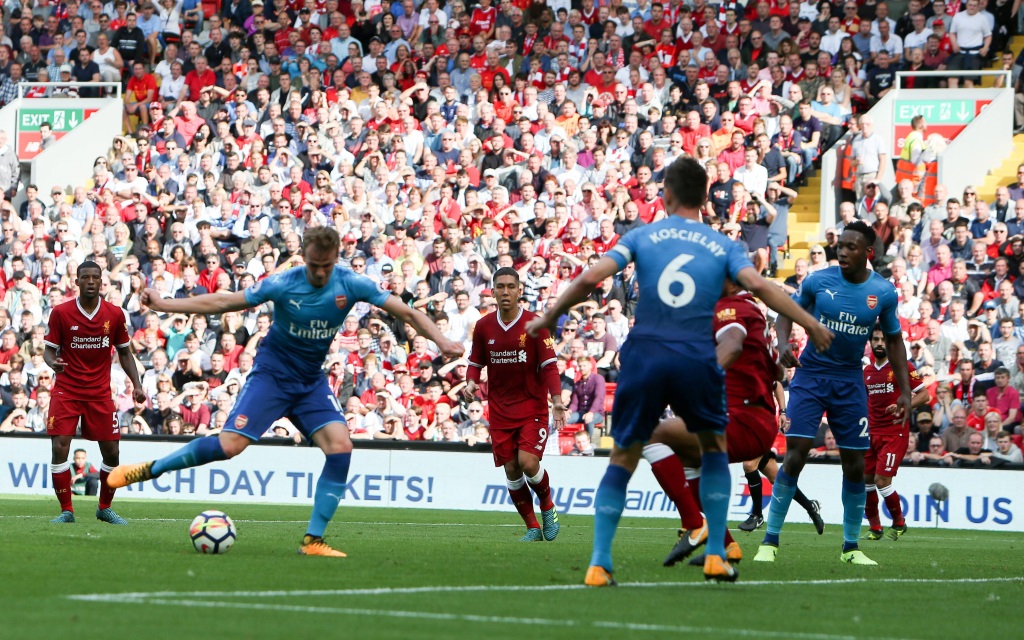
{"x":783,"y":423}
{"x":140,"y":395}
{"x":902,"y":407}
{"x":58,"y":365}
{"x":151,"y":298}
{"x":451,"y":349}
{"x":558,"y":414}
{"x":469,"y":391}
{"x":538,"y":324}
{"x":786,"y":357}
{"x":820,"y":336}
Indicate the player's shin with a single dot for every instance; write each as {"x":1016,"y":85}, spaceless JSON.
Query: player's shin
{"x":60,"y":474}
{"x":106,"y":491}
{"x":892,"y":503}
{"x":330,"y":489}
{"x":608,"y":506}
{"x":522,"y":499}
{"x":198,"y":452}
{"x":671,"y":475}
{"x":871,"y":507}
{"x":853,"y":510}
{"x":540,"y":483}
{"x":756,"y":497}
{"x":782,"y":496}
{"x":716,"y":484}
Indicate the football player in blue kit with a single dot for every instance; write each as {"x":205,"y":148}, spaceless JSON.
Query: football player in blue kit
{"x":310,"y":305}
{"x":669,"y":358}
{"x":848,"y":299}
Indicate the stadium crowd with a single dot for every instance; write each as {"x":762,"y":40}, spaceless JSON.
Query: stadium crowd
{"x":445,"y":140}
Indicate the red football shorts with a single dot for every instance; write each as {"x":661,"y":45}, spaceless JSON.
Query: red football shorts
{"x":750,"y":432}
{"x":886,"y":453}
{"x":531,"y":438}
{"x":99,"y":418}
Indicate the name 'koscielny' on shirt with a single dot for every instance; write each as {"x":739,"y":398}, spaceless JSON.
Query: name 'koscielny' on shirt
{"x":689,"y":236}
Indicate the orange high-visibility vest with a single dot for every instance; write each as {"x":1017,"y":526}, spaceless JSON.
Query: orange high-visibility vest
{"x":927,"y":187}
{"x":847,"y":174}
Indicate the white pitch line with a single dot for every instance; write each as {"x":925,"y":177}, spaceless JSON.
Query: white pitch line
{"x":458,"y":617}
{"x":506,"y":525}
{"x":378,"y":591}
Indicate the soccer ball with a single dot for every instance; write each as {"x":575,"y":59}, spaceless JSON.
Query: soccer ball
{"x":212,"y":532}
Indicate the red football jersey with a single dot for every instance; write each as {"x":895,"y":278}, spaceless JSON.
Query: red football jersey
{"x":85,"y":343}
{"x":752,"y":377}
{"x":883,"y":392}
{"x":517,"y":389}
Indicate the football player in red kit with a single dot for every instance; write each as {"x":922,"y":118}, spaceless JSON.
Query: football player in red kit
{"x":82,"y":333}
{"x":889,"y":437}
{"x":521,"y":374}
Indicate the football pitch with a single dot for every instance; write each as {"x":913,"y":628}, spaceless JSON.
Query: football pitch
{"x":450,"y":574}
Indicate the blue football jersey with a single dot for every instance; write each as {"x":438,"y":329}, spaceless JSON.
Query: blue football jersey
{"x":850,"y":311}
{"x":681,"y":265}
{"x":306,"y":319}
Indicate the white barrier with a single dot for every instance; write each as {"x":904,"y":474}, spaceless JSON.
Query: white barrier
{"x":979,"y":499}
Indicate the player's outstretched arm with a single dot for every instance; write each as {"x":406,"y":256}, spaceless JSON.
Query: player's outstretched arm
{"x":206,"y":304}
{"x":575,"y":294}
{"x":402,"y":311}
{"x":772,"y":296}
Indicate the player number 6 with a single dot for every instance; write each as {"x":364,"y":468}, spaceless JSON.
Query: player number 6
{"x":672,"y":276}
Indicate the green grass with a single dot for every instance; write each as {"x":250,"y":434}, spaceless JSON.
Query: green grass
{"x":43,"y":564}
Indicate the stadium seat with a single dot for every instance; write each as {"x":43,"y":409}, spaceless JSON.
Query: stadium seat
{"x":609,"y":397}
{"x":565,"y":443}
{"x":1019,"y":441}
{"x":572,"y":428}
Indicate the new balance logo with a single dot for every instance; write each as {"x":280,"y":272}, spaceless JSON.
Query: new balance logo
{"x":491,"y":341}
{"x":831,"y":294}
{"x":74,"y":327}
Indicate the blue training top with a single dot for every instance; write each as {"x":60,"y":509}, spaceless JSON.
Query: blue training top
{"x":850,"y":311}
{"x":306,"y":319}
{"x":681,"y":265}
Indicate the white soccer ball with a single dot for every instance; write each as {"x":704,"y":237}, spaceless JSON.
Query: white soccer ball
{"x":212,"y":532}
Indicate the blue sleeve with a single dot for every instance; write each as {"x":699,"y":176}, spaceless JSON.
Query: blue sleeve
{"x":366,"y":290}
{"x":737,"y":260}
{"x":804,"y":296}
{"x":887,"y":318}
{"x":267,"y":289}
{"x":625,"y":250}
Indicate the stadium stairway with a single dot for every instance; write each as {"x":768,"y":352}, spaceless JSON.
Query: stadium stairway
{"x":1003,"y":174}
{"x":804,"y":227}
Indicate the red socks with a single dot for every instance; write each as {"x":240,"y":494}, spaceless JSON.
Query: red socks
{"x":893,"y":504}
{"x":523,"y":501}
{"x":542,"y":488}
{"x":61,"y":476}
{"x":871,"y":508}
{"x":671,"y":476}
{"x":106,"y":493}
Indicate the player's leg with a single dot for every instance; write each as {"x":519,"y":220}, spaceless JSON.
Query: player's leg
{"x":753,"y":475}
{"x":60,"y":475}
{"x":609,"y":503}
{"x":770,"y":468}
{"x":670,"y":445}
{"x":807,"y":403}
{"x":891,"y":456}
{"x":537,"y":479}
{"x":503,"y":447}
{"x":333,"y":439}
{"x":849,"y":423}
{"x":110,"y":451}
{"x":101,"y":425}
{"x":870,"y":492}
{"x":261,"y":401}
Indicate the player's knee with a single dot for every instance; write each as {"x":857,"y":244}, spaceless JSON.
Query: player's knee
{"x":750,"y":466}
{"x":882,"y":481}
{"x":233,"y":444}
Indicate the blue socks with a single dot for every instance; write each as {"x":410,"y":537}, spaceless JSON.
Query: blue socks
{"x":330,"y":489}
{"x":782,"y":497}
{"x":715,"y":485}
{"x":198,"y":452}
{"x":608,"y":506}
{"x":853,"y":513}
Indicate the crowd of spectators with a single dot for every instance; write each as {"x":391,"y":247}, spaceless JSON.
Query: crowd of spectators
{"x":443,"y":141}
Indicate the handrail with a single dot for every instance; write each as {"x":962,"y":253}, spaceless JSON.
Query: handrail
{"x":57,"y":85}
{"x":1007,"y":75}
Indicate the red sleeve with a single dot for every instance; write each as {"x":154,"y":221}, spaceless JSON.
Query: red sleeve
{"x":726,"y":315}
{"x":55,"y":334}
{"x":477,"y":353}
{"x":916,"y":381}
{"x":544,"y":345}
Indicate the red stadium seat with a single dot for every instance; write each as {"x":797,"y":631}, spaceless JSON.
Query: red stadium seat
{"x":571,"y":429}
{"x":1019,"y":441}
{"x":609,"y":397}
{"x":565,"y":444}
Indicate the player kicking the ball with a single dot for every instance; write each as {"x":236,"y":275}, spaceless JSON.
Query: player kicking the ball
{"x":669,"y":358}
{"x":849,"y":299}
{"x":890,"y":437}
{"x":310,"y":305}
{"x":521,"y":374}
{"x":78,"y":346}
